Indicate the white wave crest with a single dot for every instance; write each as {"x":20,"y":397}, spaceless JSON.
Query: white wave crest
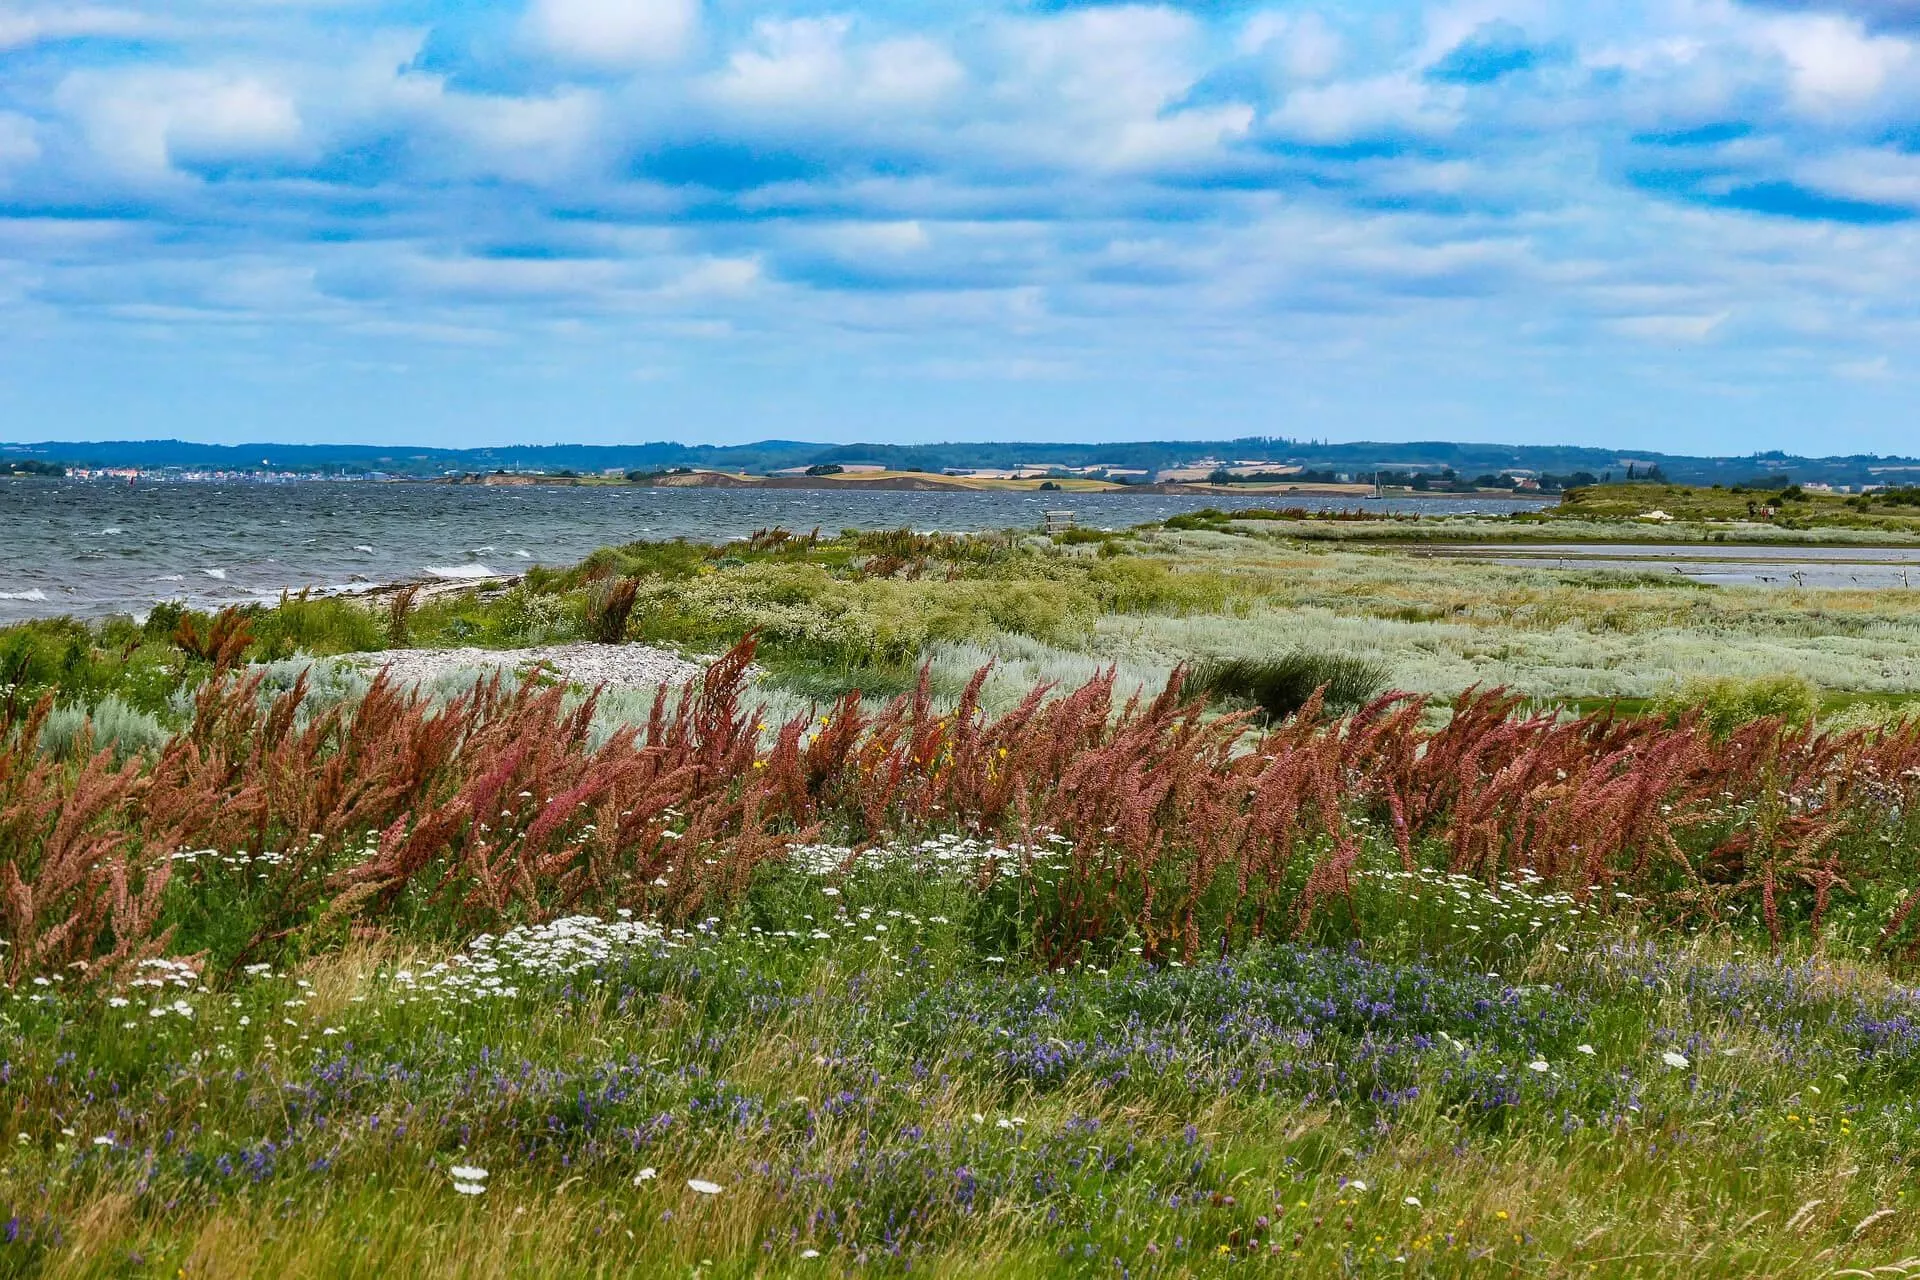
{"x":461,"y":571}
{"x":216,"y":573}
{"x":31,"y":593}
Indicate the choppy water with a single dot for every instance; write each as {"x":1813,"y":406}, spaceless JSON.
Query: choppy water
{"x":90,"y":548}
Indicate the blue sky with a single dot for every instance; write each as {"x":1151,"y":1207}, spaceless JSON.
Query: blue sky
{"x":1690,"y":225}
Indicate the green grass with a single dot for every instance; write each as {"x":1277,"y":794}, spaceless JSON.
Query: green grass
{"x":865,"y":1075}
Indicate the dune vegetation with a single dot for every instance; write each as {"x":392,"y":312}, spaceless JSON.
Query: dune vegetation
{"x":1165,"y":901}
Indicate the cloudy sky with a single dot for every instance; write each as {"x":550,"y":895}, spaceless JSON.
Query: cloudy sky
{"x":1690,"y":225}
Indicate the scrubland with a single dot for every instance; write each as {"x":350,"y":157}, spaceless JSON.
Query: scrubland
{"x":994,"y":906}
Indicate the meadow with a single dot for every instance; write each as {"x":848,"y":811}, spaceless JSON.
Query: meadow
{"x":1196,"y":898}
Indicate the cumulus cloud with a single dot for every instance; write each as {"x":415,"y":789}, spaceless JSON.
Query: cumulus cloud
{"x":810,"y":65}
{"x":614,"y":33}
{"x":149,"y":123}
{"x":1835,"y":63}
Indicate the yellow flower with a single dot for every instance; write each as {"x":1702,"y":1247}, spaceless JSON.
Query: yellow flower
{"x":1500,"y":1214}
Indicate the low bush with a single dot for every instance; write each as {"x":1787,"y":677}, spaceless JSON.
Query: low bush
{"x":111,"y":724}
{"x":609,"y":605}
{"x":1726,"y":703}
{"x":1279,"y":687}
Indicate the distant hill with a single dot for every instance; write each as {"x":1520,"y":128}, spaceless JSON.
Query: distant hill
{"x":1359,"y":458}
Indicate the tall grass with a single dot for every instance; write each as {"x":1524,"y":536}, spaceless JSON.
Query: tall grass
{"x":1174,"y":829}
{"x":609,"y":605}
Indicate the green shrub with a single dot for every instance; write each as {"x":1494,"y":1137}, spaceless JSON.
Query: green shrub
{"x":318,"y":625}
{"x":1276,"y":688}
{"x":531,"y":618}
{"x":1727,"y":702}
{"x":1204,"y":518}
{"x":163,"y":619}
{"x":112,"y":723}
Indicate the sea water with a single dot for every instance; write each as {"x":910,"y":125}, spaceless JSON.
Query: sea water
{"x":90,"y":548}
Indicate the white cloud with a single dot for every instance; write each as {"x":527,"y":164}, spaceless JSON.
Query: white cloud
{"x":892,"y":238}
{"x":810,"y":65}
{"x":1101,"y":90}
{"x":1669,"y":328}
{"x":1386,"y":104}
{"x":715,"y":277}
{"x":614,"y":33}
{"x":528,"y":139}
{"x":19,"y":139}
{"x":1302,"y":45}
{"x":149,"y":122}
{"x":24,"y":27}
{"x":1833,"y":63}
{"x":1879,"y":175}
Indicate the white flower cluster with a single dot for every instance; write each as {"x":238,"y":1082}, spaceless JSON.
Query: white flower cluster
{"x":239,"y":858}
{"x":950,"y":852}
{"x":1521,"y":902}
{"x":494,"y":967}
{"x":159,"y":974}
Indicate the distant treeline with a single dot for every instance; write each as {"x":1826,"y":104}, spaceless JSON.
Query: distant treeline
{"x":1431,"y":459}
{"x":29,"y":467}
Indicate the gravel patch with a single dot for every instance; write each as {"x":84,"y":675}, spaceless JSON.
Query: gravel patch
{"x":630,"y":666}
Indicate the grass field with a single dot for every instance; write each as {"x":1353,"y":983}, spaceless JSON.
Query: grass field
{"x":836,"y":970}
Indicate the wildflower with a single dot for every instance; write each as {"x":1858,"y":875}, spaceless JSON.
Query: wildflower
{"x":1675,"y":1060}
{"x":1412,"y":1202}
{"x":809,"y":1253}
{"x":1357,"y":1185}
{"x":647,"y":1174}
{"x":469,"y":1188}
{"x":103,"y":1141}
{"x":1538,"y":1064}
{"x":703,"y":1187}
{"x":467,"y":1173}
{"x":1584,"y":1048}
